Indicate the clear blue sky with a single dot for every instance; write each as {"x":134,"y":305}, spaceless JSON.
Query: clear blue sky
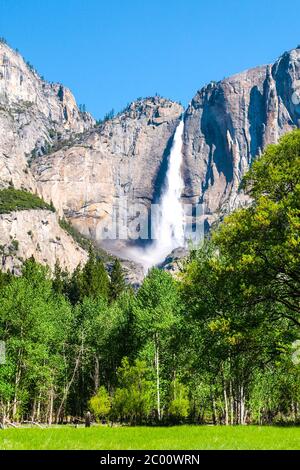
{"x":110,"y":52}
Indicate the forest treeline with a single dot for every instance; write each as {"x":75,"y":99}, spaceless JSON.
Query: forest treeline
{"x":218,"y":344}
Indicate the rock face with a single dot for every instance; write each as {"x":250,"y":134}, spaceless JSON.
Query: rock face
{"x":133,"y":272}
{"x":174,"y":263}
{"x":229,"y":123}
{"x":34,"y":115}
{"x":36,"y":232}
{"x":117,"y":164}
{"x":97,"y":175}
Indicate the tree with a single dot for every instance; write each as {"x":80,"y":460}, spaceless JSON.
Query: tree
{"x":134,"y":400}
{"x":117,"y":281}
{"x":179,"y":404}
{"x":90,"y":281}
{"x":157,"y":310}
{"x":261,"y":243}
{"x":94,"y":280}
{"x":60,"y":278}
{"x":88,"y":353}
{"x":110,"y":115}
{"x":100,"y":404}
{"x":227,"y":338}
{"x":34,"y":325}
{"x":126,"y":341}
{"x":73,"y":289}
{"x":5,"y":278}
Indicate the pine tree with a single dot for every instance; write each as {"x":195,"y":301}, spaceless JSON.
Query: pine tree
{"x":94,"y":282}
{"x":5,"y":278}
{"x":117,"y":281}
{"x":74,"y":286}
{"x":59,"y":279}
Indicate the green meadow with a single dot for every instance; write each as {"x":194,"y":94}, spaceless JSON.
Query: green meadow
{"x":152,"y":438}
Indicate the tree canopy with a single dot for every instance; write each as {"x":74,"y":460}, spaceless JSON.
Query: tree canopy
{"x":216,"y":345}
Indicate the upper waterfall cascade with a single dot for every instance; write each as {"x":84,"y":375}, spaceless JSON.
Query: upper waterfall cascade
{"x":168,"y":224}
{"x":168,"y":229}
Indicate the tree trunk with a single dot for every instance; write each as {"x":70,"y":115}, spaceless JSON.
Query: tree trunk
{"x":225,"y":403}
{"x":51,"y":406}
{"x":15,"y":402}
{"x":33,"y":410}
{"x":68,"y":385}
{"x":213,"y":404}
{"x":231,"y":403}
{"x":96,"y":374}
{"x":38,"y":410}
{"x":242,"y":405}
{"x":157,"y":377}
{"x":3,"y":413}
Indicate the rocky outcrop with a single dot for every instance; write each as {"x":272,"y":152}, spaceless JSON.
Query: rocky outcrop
{"x":118,"y":165}
{"x":133,"y":272}
{"x":34,"y":116}
{"x":36,"y":233}
{"x":175,"y":261}
{"x":227,"y":124}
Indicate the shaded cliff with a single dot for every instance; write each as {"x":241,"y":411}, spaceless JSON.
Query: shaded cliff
{"x":229,"y":123}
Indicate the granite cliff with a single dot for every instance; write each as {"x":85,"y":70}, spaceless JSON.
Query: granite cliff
{"x":229,"y":123}
{"x":48,"y":146}
{"x":120,"y":162}
{"x":36,"y":233}
{"x":34,"y":117}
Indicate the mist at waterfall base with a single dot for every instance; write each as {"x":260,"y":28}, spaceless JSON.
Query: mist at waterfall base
{"x":168,"y":223}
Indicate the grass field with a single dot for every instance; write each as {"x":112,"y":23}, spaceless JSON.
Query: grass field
{"x":177,"y":437}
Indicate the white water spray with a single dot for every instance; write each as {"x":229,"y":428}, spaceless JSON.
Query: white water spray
{"x":168,"y":230}
{"x":168,"y":223}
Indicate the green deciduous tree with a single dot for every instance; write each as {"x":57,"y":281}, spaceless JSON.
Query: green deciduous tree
{"x":34,"y":325}
{"x":134,"y":398}
{"x":261,"y":243}
{"x":157,"y":311}
{"x":178,"y":408}
{"x":100,"y":404}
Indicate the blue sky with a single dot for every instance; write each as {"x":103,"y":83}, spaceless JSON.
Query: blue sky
{"x":110,"y":52}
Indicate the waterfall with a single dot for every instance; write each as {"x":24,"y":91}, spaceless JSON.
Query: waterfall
{"x":168,"y":227}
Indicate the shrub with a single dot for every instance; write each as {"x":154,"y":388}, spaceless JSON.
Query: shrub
{"x":100,"y":404}
{"x":12,"y":199}
{"x":82,"y":241}
{"x":179,"y":405}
